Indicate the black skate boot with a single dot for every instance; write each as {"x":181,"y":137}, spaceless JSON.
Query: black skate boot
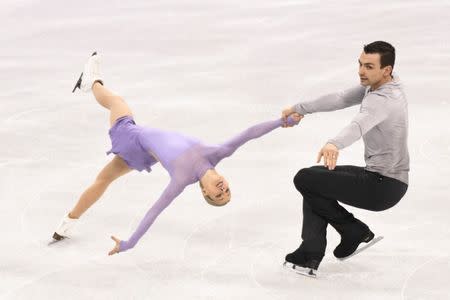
{"x":352,"y":235}
{"x":304,"y":263}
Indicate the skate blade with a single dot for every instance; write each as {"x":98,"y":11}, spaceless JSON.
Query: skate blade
{"x":308,"y":272}
{"x":78,"y":84}
{"x":57,"y":238}
{"x":52,"y":242}
{"x":368,"y":245}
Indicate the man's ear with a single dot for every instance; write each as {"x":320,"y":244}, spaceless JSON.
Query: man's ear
{"x":387,"y":71}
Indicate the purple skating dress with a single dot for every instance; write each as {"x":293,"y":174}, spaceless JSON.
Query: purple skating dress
{"x":185,"y":158}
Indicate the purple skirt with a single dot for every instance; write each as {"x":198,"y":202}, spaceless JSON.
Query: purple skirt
{"x":126,"y":142}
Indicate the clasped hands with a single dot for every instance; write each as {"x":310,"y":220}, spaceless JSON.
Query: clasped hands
{"x":329,"y":152}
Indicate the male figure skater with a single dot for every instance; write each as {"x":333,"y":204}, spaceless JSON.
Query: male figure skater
{"x":382,"y":122}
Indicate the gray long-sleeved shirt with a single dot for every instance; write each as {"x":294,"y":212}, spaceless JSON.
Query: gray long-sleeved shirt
{"x":382,"y":122}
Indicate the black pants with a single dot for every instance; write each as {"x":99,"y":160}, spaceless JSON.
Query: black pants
{"x":322,"y":189}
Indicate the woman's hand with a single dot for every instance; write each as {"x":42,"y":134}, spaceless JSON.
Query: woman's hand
{"x":116,"y":247}
{"x":289,"y":112}
{"x":296,"y":117}
{"x":292,"y":120}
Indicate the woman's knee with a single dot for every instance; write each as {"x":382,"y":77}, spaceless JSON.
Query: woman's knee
{"x":104,"y":180}
{"x":115,"y":101}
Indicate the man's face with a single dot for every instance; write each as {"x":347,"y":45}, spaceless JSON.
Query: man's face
{"x":370,"y":71}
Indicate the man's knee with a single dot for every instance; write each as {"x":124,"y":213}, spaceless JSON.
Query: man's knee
{"x":381,"y":206}
{"x":301,"y":179}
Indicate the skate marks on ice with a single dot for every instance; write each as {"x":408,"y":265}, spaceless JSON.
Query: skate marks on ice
{"x":35,"y":250}
{"x":78,"y":281}
{"x":69,"y":268}
{"x":35,"y":224}
{"x":278,"y":282}
{"x":269,"y":272}
{"x":429,"y":280}
{"x":435,"y":148}
{"x":248,"y":257}
{"x":24,"y":115}
{"x":218,"y":232}
{"x":377,"y":270}
{"x":214,"y":260}
{"x":21,"y":161}
{"x":430,"y":134}
{"x":198,"y":265}
{"x":429,"y":261}
{"x":228,"y":257}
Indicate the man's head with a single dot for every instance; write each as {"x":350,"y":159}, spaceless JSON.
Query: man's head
{"x":376,"y":64}
{"x":215,"y":188}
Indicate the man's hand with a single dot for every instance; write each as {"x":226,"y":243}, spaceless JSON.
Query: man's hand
{"x":286,"y":113}
{"x":116,"y":247}
{"x":292,"y":120}
{"x":330,"y":155}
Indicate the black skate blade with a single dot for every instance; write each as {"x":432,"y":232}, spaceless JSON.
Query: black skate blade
{"x":365,"y":247}
{"x":78,"y":84}
{"x":53,"y":242}
{"x":56,"y":238}
{"x":308,"y":272}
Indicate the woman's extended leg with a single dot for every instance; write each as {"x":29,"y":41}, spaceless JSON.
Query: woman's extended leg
{"x":91,"y":80}
{"x":113,"y":170}
{"x":114,"y":103}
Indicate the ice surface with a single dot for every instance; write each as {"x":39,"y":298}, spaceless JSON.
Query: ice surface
{"x":210,"y":69}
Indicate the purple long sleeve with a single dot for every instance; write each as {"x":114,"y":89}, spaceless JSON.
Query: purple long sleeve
{"x":170,"y":193}
{"x":229,"y":147}
{"x":251,"y":133}
{"x":187,"y":161}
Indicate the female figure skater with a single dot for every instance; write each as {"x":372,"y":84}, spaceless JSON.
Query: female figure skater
{"x":186,"y":159}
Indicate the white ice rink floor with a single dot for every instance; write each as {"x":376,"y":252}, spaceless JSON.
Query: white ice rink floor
{"x":210,"y":69}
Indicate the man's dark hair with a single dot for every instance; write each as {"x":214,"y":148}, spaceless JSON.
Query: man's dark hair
{"x":386,"y":51}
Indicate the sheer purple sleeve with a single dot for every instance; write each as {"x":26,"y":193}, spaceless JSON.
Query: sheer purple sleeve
{"x":254,"y":132}
{"x":170,"y":193}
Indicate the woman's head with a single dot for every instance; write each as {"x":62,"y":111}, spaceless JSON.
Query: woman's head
{"x":215,"y":188}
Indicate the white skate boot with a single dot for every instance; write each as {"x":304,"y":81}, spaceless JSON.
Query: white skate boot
{"x":90,"y":74}
{"x":65,"y":228}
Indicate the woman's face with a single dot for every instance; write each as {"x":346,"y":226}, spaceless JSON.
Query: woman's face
{"x":216,"y":188}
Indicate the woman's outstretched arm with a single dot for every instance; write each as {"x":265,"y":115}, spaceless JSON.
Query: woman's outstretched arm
{"x":253,"y":132}
{"x":170,"y":193}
